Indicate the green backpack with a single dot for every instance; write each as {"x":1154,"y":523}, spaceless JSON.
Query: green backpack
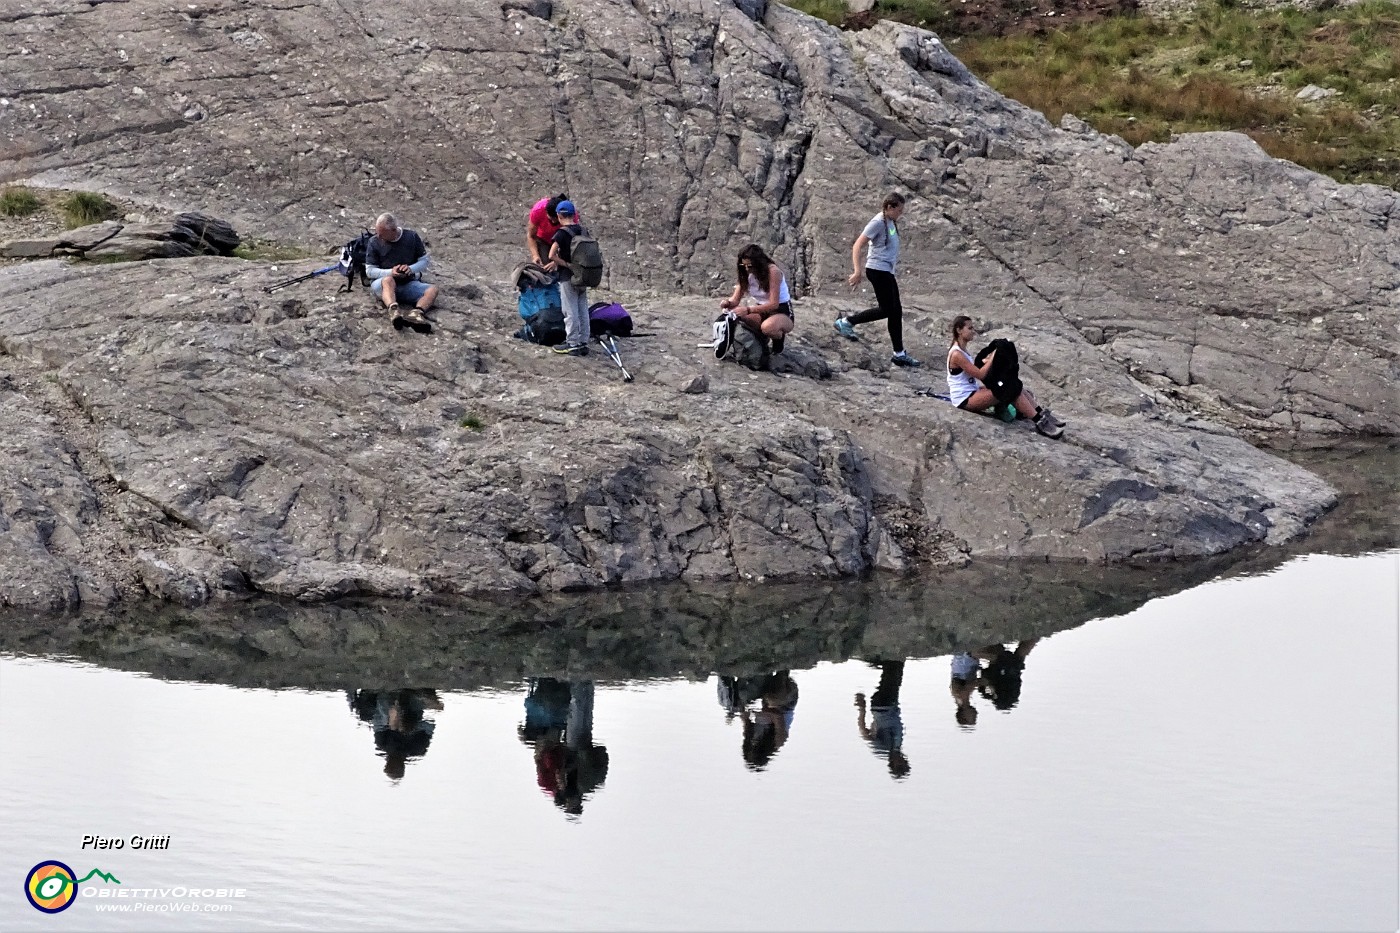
{"x":586,"y":261}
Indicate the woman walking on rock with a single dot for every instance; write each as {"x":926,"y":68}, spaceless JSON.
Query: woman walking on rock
{"x":881,"y":236}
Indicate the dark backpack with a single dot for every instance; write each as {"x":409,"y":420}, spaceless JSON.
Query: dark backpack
{"x":609,"y":318}
{"x":352,"y":260}
{"x":586,"y":260}
{"x":735,"y":341}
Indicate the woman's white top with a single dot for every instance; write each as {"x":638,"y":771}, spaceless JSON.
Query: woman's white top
{"x":758,"y":291}
{"x":960,"y":385}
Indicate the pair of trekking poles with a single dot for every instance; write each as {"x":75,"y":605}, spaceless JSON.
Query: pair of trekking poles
{"x":609,"y":344}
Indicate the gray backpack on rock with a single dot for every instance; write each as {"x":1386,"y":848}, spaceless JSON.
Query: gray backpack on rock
{"x":586,"y":261}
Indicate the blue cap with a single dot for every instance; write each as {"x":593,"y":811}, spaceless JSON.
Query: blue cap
{"x":565,"y":207}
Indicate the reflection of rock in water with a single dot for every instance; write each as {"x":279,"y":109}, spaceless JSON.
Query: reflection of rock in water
{"x":665,"y":630}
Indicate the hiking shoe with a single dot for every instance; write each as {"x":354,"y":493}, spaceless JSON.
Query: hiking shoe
{"x":1047,"y":427}
{"x":845,"y":328}
{"x":571,"y":349}
{"x":396,"y":318}
{"x":416,"y":320}
{"x":778,"y":344}
{"x":1054,"y":418}
{"x":902,"y":358}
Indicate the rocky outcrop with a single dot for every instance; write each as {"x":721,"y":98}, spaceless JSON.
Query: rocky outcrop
{"x":1164,"y":298}
{"x":189,"y":234}
{"x":211,"y":438}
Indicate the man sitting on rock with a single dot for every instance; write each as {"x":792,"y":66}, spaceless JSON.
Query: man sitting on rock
{"x":395,"y":260}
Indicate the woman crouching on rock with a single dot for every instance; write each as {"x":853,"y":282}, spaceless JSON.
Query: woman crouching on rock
{"x":760,"y":278}
{"x":967,"y":380}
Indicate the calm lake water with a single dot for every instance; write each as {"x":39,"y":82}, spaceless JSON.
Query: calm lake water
{"x":1221,"y":756}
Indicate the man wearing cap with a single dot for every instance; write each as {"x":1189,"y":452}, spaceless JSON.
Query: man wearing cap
{"x":394,"y":260}
{"x":573,"y":298}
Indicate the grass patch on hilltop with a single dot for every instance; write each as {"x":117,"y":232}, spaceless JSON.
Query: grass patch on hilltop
{"x":927,"y":14}
{"x":18,"y":201}
{"x":1222,"y":68}
{"x":86,"y":207}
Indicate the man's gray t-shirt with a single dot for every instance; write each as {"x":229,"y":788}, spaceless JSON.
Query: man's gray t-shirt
{"x":405,"y":251}
{"x":884,"y":243}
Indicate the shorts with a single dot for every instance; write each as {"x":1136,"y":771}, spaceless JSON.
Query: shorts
{"x":963,"y":403}
{"x":413,"y":290}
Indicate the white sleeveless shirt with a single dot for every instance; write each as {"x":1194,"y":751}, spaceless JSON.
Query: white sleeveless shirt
{"x":960,"y":385}
{"x":758,"y":291}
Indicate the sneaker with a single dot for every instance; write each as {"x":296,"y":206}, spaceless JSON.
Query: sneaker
{"x":778,"y":344}
{"x":902,"y":358}
{"x":845,"y":328}
{"x":1054,"y":418}
{"x":1047,"y":427}
{"x":571,"y":349}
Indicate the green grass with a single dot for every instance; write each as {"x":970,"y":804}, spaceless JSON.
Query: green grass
{"x":86,"y":207}
{"x":1224,"y":68}
{"x":271,"y":251}
{"x":471,"y":423}
{"x":17,"y":201}
{"x":929,"y":14}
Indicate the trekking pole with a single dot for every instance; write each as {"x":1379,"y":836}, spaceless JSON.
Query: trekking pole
{"x":609,"y":344}
{"x":301,"y":278}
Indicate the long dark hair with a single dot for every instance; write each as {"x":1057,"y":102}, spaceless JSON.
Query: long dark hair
{"x":761,"y":264}
{"x":958,"y":323}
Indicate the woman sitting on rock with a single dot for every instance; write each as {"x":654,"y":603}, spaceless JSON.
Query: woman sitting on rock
{"x":760,"y":278}
{"x":966,"y":381}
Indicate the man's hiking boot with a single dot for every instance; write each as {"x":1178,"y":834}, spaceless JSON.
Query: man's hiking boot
{"x":416,"y":320}
{"x":902,"y":358}
{"x":1046,"y":426}
{"x":396,"y":318}
{"x":845,"y":328}
{"x":571,"y":349}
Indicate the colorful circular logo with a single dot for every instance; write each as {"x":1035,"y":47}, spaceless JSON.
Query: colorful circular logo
{"x":51,"y":887}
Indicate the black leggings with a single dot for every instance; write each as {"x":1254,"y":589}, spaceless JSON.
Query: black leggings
{"x":890,"y":311}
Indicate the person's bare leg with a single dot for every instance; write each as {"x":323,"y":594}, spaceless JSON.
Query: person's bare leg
{"x":428,"y":298}
{"x":388,"y":292}
{"x":980,"y":400}
{"x":1025,"y":405}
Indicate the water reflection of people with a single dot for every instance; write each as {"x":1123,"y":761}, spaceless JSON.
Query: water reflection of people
{"x":885,"y":733}
{"x":559,"y":726}
{"x":999,"y":681}
{"x":401,"y":729}
{"x":767,"y":728}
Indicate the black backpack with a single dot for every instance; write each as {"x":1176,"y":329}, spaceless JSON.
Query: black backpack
{"x":352,"y":260}
{"x":586,"y":260}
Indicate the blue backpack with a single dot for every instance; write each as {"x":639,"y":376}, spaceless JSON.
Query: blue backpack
{"x":539,"y":305}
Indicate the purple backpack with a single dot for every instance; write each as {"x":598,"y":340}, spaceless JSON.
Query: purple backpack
{"x":613,"y":319}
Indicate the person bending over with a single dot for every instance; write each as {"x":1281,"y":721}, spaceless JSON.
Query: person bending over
{"x":760,"y":278}
{"x":394,"y":261}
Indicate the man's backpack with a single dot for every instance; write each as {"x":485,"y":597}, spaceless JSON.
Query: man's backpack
{"x":352,"y":260}
{"x":609,"y":319}
{"x":586,"y":261}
